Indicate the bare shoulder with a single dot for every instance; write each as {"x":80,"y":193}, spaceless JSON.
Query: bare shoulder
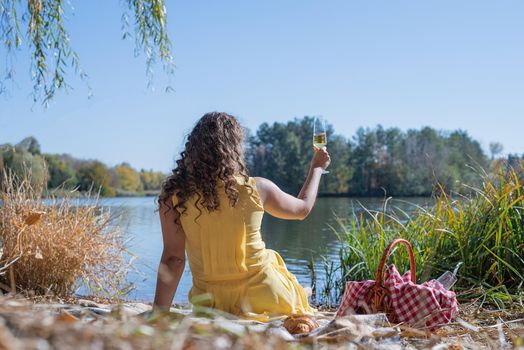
{"x":264,"y":187}
{"x":263,"y":182}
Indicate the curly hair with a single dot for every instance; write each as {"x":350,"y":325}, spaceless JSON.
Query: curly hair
{"x":213,"y":155}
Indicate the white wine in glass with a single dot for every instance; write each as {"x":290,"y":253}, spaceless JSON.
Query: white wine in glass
{"x":320,"y":135}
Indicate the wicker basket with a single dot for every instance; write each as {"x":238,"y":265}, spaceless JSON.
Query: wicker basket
{"x":379,"y":298}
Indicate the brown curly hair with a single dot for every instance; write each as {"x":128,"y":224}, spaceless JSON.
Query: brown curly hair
{"x":213,"y":155}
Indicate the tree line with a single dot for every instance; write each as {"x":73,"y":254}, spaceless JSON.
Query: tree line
{"x":375,"y":161}
{"x":65,"y":171}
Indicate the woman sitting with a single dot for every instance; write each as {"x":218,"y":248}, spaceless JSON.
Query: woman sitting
{"x":212,"y":210}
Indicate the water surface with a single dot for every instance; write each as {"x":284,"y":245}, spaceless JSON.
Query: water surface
{"x":296,"y":241}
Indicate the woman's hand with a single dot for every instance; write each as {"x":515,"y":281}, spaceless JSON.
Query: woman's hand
{"x":321,"y":158}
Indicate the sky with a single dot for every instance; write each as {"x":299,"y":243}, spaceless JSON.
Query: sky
{"x":442,"y":63}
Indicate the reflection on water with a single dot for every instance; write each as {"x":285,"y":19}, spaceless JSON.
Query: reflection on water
{"x":296,"y":241}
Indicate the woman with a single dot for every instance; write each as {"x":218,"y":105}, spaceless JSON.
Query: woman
{"x":211,"y":210}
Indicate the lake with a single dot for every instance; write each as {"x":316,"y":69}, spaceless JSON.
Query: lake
{"x":296,"y":241}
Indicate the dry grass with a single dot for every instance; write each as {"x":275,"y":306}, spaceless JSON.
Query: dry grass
{"x":51,"y":244}
{"x":59,"y":325}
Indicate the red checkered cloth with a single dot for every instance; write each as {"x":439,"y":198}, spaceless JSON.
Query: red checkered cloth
{"x":427,"y":305}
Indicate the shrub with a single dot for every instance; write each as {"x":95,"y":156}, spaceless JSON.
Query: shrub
{"x":54,"y":244}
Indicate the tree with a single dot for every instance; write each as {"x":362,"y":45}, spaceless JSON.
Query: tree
{"x":3,"y":152}
{"x":412,"y":163}
{"x":29,"y":144}
{"x":64,"y":170}
{"x":25,"y":164}
{"x":282,"y":152}
{"x":40,"y":24}
{"x":60,"y":172}
{"x":393,"y":165}
{"x":340,"y":170}
{"x":465,"y":159}
{"x":151,"y":180}
{"x":424,"y":158}
{"x":363,"y":162}
{"x":95,"y":175}
{"x":495,"y":149}
{"x":128,"y":180}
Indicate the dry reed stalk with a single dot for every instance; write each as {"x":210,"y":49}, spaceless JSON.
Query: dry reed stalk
{"x":12,"y":279}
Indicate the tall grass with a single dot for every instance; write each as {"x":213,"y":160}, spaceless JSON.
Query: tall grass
{"x":50,"y":245}
{"x":482,"y":233}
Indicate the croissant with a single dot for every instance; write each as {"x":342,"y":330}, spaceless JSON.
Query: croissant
{"x":299,"y":324}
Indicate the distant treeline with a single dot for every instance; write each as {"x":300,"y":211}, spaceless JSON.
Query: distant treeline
{"x":63,"y":170}
{"x":374,"y":161}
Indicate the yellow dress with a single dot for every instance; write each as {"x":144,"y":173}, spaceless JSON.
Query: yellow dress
{"x":231,"y":267}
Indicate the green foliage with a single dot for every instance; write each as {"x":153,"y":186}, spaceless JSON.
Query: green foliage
{"x":375,"y":161}
{"x":60,"y":172}
{"x":67,"y":172}
{"x":29,"y":144}
{"x":412,"y":163}
{"x":341,"y":171}
{"x":40,"y":24}
{"x":282,"y":152}
{"x":495,"y":148}
{"x":150,"y":32}
{"x":279,"y":154}
{"x":95,"y":176}
{"x":21,"y":161}
{"x":25,"y":161}
{"x":482,"y":232}
{"x":151,"y":180}
{"x":127,"y":178}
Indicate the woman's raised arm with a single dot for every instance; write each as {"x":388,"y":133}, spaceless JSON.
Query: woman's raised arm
{"x":173,"y":258}
{"x":285,"y":206}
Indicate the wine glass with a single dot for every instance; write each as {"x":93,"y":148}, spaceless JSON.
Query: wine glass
{"x":320,"y":134}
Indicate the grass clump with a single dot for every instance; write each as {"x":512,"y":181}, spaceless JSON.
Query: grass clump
{"x":51,"y":245}
{"x":482,"y":233}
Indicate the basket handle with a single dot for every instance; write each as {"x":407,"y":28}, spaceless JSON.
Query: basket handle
{"x":379,"y":291}
{"x":379,"y":279}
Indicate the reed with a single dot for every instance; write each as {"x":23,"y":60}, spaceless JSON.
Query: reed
{"x":52,"y":245}
{"x":481,"y":235}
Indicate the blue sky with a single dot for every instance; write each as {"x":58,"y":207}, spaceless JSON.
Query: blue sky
{"x":446,"y":64}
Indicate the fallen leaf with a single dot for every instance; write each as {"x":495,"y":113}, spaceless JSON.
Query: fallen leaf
{"x":33,"y":217}
{"x":66,"y":317}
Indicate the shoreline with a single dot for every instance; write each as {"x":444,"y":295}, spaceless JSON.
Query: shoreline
{"x":320,"y":195}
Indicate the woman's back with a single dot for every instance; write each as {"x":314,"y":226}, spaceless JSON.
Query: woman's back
{"x":232,"y":270}
{"x":226,"y":242}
